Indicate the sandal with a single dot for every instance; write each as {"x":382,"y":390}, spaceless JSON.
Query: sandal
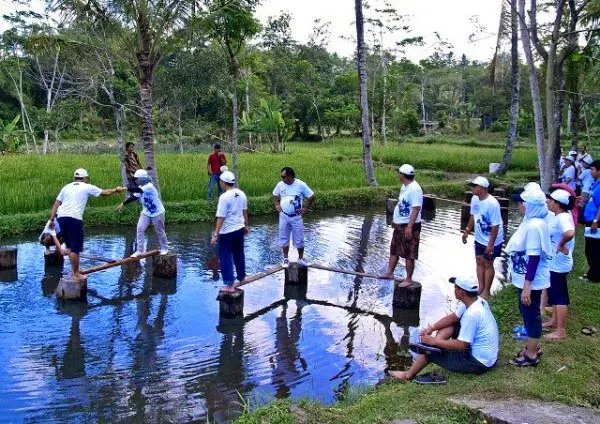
{"x":524,"y":361}
{"x":540,"y":352}
{"x":588,"y":331}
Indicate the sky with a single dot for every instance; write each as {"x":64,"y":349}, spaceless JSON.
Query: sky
{"x":453,"y":20}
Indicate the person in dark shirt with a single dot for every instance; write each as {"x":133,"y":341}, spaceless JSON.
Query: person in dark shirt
{"x":215,"y":161}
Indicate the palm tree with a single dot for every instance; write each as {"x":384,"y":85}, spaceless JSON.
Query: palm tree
{"x":361,"y":60}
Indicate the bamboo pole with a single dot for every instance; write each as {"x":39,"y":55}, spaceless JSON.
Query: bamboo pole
{"x":260,"y":275}
{"x":347,"y":271}
{"x":118,"y":262}
{"x":97,"y":258}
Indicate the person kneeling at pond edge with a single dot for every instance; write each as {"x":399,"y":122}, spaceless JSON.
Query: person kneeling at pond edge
{"x":230,"y":230}
{"x":466,"y":340}
{"x":153,"y":212}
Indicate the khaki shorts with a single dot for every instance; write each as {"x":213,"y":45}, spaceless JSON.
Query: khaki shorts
{"x":407,"y":248}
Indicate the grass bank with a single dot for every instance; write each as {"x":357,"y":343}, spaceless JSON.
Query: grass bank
{"x":568,"y":373}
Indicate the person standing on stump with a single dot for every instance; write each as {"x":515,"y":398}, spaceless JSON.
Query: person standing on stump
{"x":230,"y":230}
{"x":287,"y":199}
{"x":68,"y":208}
{"x":406,"y":224}
{"x":132,"y":164}
{"x":153,"y":212}
{"x":486,"y":220}
{"x":215,"y":161}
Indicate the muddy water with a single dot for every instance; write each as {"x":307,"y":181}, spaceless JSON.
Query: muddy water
{"x":148,"y":349}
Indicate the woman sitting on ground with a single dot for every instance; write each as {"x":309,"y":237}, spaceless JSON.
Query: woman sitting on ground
{"x":530,"y":251}
{"x":562,"y":233}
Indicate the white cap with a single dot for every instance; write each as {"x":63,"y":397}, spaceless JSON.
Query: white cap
{"x":480,"y":181}
{"x":570,"y":157}
{"x":467,"y":283}
{"x":80,"y":173}
{"x":587,"y":159}
{"x":533,"y":197}
{"x":406,"y":169}
{"x":532,"y":186}
{"x":227,"y":177}
{"x":224,"y":168}
{"x":573,"y":153}
{"x":561,"y":196}
{"x":140,"y":173}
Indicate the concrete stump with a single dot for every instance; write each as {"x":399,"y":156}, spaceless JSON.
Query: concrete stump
{"x":428,"y":203}
{"x":465,"y":215}
{"x":468,"y":196}
{"x":70,"y":289}
{"x":390,"y":205}
{"x":165,"y":265}
{"x":231,"y":305}
{"x":8,"y":258}
{"x":407,"y":297}
{"x":295,"y":291}
{"x":499,"y":192}
{"x":504,"y":205}
{"x":296,"y":274}
{"x":9,"y":275}
{"x":53,"y":259}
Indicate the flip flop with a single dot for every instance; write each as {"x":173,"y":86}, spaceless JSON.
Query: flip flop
{"x":525,"y":361}
{"x":423,"y":348}
{"x":589,"y":331}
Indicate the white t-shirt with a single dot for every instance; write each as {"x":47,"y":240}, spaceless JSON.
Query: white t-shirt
{"x":558,"y":225}
{"x":586,"y":180}
{"x":151,"y":203}
{"x":410,"y":196}
{"x":569,"y":173}
{"x":519,"y":260}
{"x":47,"y":229}
{"x":486,"y":214}
{"x":291,"y":195}
{"x":74,"y":197}
{"x":478,"y":327}
{"x":231,"y":206}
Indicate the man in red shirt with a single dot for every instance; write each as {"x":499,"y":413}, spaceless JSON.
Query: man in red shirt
{"x":215,"y":161}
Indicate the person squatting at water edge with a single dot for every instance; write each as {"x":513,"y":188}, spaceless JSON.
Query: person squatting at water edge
{"x":486,"y":220}
{"x":288,"y":198}
{"x":68,"y":208}
{"x":530,"y":251}
{"x":562,"y":233}
{"x":591,"y":217}
{"x":466,"y":341}
{"x":230,"y":230}
{"x":153,"y":212}
{"x":52,"y":237}
{"x":406,"y":224}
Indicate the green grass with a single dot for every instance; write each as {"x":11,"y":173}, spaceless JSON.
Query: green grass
{"x":568,"y":373}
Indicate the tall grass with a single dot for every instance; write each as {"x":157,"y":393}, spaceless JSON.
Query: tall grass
{"x":31,"y":183}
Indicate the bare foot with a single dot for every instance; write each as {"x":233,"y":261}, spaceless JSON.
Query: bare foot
{"x":555,"y":335}
{"x":406,"y":283}
{"x":227,"y":289}
{"x":399,"y":375}
{"x":485,"y":294}
{"x":549,"y":324}
{"x":386,"y":276}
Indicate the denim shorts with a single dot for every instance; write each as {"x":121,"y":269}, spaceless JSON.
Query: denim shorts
{"x":532,"y":316}
{"x":480,"y":251}
{"x":558,"y":293}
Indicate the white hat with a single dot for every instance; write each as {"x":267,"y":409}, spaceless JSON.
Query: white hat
{"x":468,"y":284}
{"x":480,"y":181}
{"x":227,"y":177}
{"x":224,"y":168}
{"x":573,"y":153}
{"x":561,"y":196}
{"x":80,"y":173}
{"x":140,"y":173}
{"x":533,"y":197}
{"x":532,"y":186}
{"x":587,"y":159}
{"x":570,"y":157}
{"x":406,"y":169}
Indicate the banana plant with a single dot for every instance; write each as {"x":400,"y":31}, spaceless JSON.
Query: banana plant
{"x":9,"y":135}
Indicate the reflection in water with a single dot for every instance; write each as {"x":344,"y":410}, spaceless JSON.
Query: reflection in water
{"x":146,"y":349}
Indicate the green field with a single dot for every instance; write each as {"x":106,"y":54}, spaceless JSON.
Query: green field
{"x":31,"y":183}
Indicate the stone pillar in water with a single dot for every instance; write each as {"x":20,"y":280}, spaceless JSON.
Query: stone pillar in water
{"x":390,"y":205}
{"x":468,"y":196}
{"x":165,"y":265}
{"x":504,"y":205}
{"x":8,"y":258}
{"x":53,"y":259}
{"x":231,"y":305}
{"x":465,"y":215}
{"x":70,"y":289}
{"x":296,"y":282}
{"x":407,"y":297}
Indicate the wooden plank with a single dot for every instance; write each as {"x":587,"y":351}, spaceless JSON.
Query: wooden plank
{"x":97,"y":258}
{"x":118,"y":262}
{"x":260,"y":275}
{"x":347,"y":271}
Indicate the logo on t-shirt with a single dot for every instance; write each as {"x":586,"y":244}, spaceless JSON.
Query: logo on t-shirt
{"x":149,"y":204}
{"x":485,"y":225}
{"x":519,"y":262}
{"x":404,"y":208}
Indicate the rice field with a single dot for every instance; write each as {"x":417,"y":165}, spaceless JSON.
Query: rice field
{"x":30,"y":183}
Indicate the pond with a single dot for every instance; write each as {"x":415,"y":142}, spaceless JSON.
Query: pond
{"x":147,"y":349}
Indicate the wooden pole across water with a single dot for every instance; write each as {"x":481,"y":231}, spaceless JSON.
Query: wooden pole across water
{"x":347,"y":271}
{"x":97,"y":258}
{"x":260,"y":275}
{"x":118,"y":262}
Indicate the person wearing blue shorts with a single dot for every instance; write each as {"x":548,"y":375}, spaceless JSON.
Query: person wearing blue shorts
{"x":466,"y":341}
{"x":68,"y":208}
{"x":486,"y":220}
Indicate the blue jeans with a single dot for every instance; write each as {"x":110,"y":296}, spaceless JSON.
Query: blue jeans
{"x":214,"y":179}
{"x":532,"y":316}
{"x":231,"y":252}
